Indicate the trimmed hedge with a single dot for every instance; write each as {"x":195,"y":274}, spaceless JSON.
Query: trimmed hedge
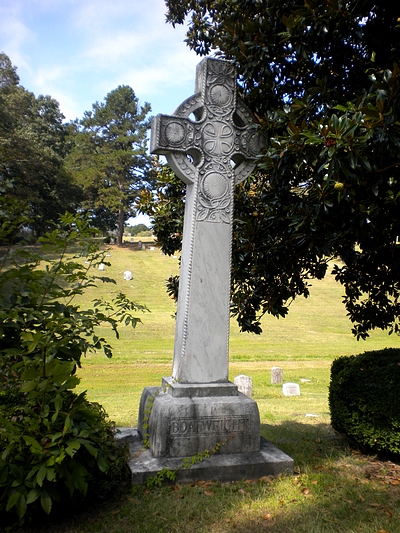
{"x":364,"y":399}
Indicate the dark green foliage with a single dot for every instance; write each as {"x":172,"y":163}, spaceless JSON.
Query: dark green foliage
{"x":32,"y":150}
{"x":109,"y":158}
{"x":167,"y":209}
{"x":364,"y":399}
{"x":323,"y":81}
{"x":55,"y":446}
{"x":138,"y":228}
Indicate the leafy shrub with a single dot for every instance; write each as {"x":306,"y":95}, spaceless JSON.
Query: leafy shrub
{"x":54,"y":444}
{"x":364,"y":399}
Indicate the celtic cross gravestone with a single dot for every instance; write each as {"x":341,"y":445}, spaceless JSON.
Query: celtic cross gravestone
{"x":210,"y":154}
{"x":211,"y":143}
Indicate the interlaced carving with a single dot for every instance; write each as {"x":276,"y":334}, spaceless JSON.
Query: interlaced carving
{"x":213,"y":149}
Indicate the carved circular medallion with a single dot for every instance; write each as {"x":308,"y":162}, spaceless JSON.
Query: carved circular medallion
{"x":175,"y":132}
{"x":215,"y":185}
{"x":220,"y":95}
{"x":256,"y":143}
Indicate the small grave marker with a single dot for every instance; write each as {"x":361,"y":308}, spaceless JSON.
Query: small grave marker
{"x":276,"y":375}
{"x":244,"y":384}
{"x":128,"y":275}
{"x":102,"y":266}
{"x":291,"y":389}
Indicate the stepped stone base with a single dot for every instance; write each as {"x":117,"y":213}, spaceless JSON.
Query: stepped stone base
{"x":180,"y":421}
{"x":268,"y":461}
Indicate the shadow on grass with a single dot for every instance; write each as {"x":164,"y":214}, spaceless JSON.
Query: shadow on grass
{"x":332,"y":490}
{"x":305,"y":442}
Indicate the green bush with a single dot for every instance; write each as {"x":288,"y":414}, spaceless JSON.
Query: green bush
{"x":364,"y":399}
{"x":55,"y":446}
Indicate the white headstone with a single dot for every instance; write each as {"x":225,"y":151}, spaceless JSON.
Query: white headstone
{"x":291,"y":389}
{"x":102,"y":266}
{"x":244,"y":384}
{"x":276,"y":375}
{"x":128,"y":275}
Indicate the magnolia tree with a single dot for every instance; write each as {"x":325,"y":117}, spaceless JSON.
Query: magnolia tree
{"x":323,"y":82}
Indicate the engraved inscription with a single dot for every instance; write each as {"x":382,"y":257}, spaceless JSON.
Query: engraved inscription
{"x":187,"y":427}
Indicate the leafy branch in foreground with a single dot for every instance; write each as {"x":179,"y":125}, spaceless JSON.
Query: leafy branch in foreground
{"x":54,"y":444}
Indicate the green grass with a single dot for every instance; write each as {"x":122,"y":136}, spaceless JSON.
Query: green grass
{"x":304,"y":344}
{"x":334,"y":489}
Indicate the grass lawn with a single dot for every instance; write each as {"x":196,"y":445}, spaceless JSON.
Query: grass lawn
{"x":334,"y":489}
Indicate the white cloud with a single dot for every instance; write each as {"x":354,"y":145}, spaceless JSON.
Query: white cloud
{"x":79,"y":50}
{"x":14,"y":32}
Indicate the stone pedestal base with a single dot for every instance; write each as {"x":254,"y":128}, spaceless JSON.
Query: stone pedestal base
{"x":184,"y":420}
{"x":181,"y":421}
{"x":268,"y":461}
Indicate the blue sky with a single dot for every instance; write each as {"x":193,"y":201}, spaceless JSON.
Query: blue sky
{"x":77,"y":51}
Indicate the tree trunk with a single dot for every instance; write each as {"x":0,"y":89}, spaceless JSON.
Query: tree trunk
{"x":121,"y":222}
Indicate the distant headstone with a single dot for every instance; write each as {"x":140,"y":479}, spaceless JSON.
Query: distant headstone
{"x":128,"y":275}
{"x":244,"y":384}
{"x":102,"y":266}
{"x":139,"y":244}
{"x":276,"y":375}
{"x":291,"y":389}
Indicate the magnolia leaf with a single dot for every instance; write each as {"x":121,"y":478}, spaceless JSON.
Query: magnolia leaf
{"x":45,"y":501}
{"x":33,"y":495}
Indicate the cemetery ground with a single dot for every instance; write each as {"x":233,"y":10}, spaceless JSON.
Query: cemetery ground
{"x":334,"y":488}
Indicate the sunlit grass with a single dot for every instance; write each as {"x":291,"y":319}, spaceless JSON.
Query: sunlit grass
{"x":332,"y":489}
{"x":303,"y":344}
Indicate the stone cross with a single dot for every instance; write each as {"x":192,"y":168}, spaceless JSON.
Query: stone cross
{"x":211,"y":143}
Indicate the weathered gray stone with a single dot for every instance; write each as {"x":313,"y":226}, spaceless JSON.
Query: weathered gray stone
{"x":291,"y":389}
{"x":198,"y":409}
{"x":127,"y":435}
{"x":268,"y":461}
{"x":276,"y":375}
{"x":187,"y":426}
{"x":223,"y":135}
{"x":146,"y":402}
{"x":191,"y":390}
{"x":244,"y":384}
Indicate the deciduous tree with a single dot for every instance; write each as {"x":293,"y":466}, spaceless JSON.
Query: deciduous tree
{"x":32,"y":150}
